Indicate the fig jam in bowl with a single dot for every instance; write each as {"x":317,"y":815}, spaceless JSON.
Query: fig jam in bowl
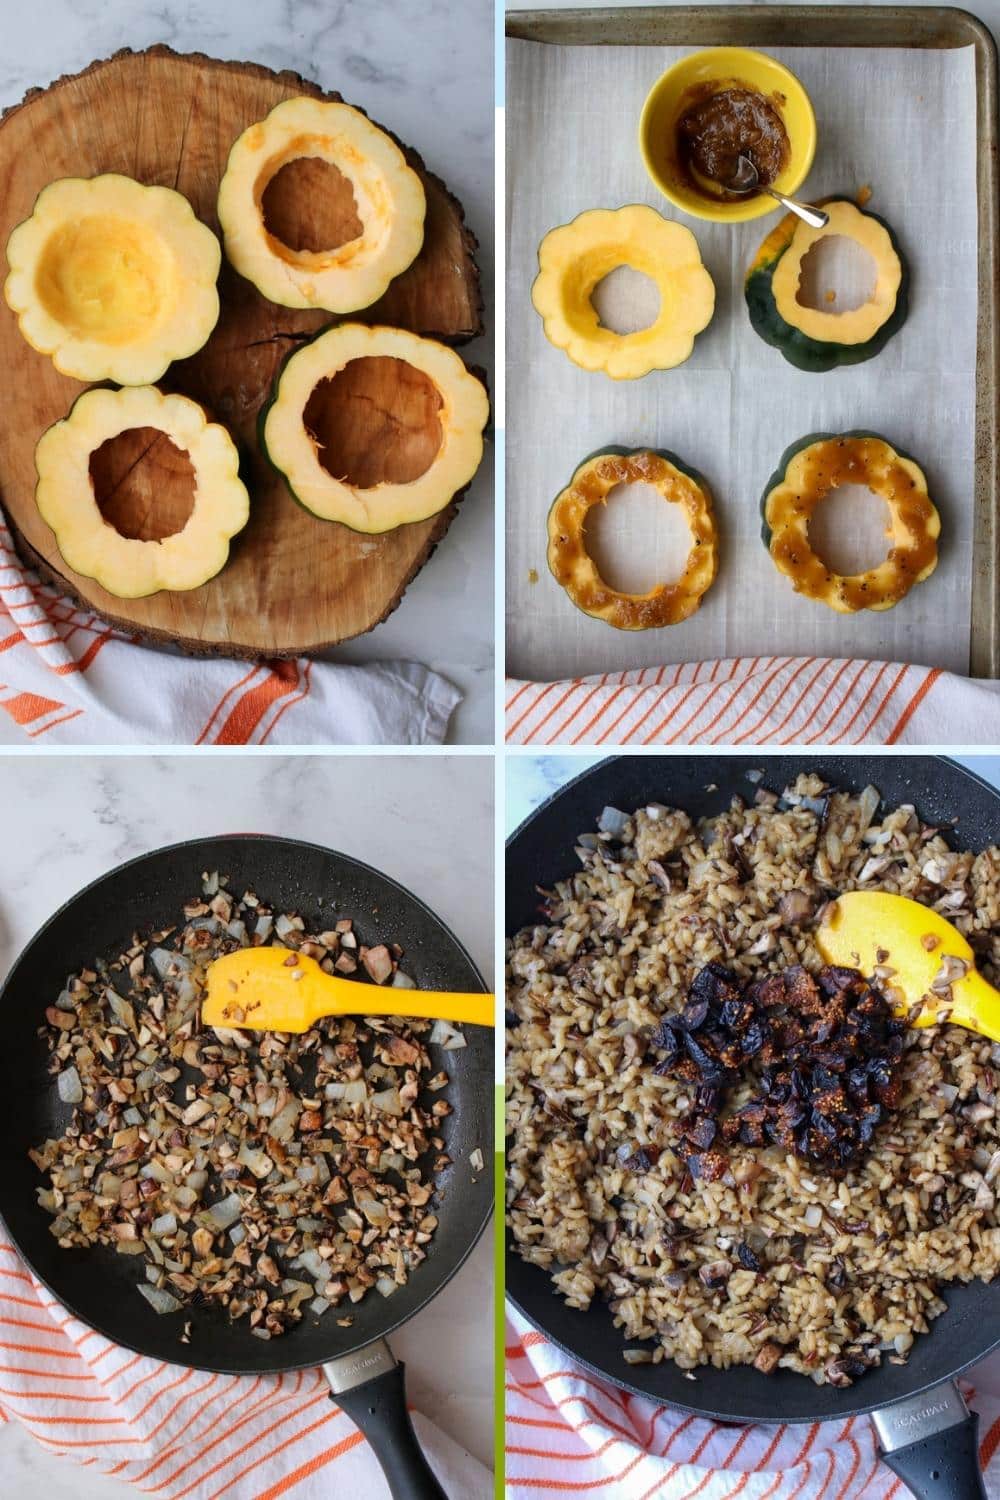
{"x":707,"y":109}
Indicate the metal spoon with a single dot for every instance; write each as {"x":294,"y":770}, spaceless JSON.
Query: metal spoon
{"x":746,"y":179}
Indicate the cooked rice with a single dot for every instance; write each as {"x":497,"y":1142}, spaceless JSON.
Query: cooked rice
{"x":851,"y":1266}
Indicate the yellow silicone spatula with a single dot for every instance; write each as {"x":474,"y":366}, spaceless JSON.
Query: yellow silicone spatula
{"x":876,"y":932}
{"x":276,"y":989}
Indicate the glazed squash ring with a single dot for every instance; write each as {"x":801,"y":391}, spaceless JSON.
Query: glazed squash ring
{"x":809,"y":470}
{"x":388,"y":193}
{"x":574,"y":568}
{"x":125,"y":566}
{"x":574,"y":258}
{"x":813,"y":338}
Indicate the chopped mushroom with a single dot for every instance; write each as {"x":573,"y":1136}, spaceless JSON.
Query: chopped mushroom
{"x":767,"y":1358}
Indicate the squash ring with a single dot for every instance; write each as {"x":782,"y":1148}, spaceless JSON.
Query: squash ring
{"x":808,"y":471}
{"x":389,"y":196}
{"x":575,"y":570}
{"x":294,"y":452}
{"x":573,"y":258}
{"x":124,"y":566}
{"x":811,"y":338}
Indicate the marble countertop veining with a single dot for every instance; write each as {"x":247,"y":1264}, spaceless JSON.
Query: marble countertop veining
{"x":69,"y":819}
{"x":424,"y":69}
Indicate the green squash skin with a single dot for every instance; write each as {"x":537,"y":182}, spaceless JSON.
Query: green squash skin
{"x":805,"y":442}
{"x":617,"y":451}
{"x":811,"y":354}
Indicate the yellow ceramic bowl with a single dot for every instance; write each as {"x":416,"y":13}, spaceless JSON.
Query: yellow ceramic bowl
{"x":670,"y":95}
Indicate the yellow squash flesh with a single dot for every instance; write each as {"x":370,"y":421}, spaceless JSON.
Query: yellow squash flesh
{"x":112,"y":279}
{"x":573,"y":567}
{"x":126,"y":567}
{"x":389,"y":197}
{"x":857,"y":325}
{"x":574,"y":258}
{"x":293,"y":449}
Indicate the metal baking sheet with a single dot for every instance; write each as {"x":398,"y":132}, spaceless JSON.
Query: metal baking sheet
{"x":786,"y":27}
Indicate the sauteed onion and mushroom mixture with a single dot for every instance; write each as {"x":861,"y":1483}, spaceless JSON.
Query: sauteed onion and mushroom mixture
{"x":273,"y":1176}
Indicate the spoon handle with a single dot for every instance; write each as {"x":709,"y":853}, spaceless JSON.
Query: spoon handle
{"x":333,"y":999}
{"x":812,"y":216}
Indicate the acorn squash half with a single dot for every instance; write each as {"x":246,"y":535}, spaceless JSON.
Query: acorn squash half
{"x":388,"y":193}
{"x":575,"y":257}
{"x":575,"y":570}
{"x":808,"y":471}
{"x":812,"y":338}
{"x":114,"y":280}
{"x":126,"y":567}
{"x":295,"y":451}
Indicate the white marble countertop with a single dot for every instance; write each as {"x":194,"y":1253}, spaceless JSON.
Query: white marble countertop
{"x":70,"y":819}
{"x":424,"y":69}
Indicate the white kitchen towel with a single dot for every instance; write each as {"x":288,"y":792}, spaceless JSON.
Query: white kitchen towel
{"x":68,"y":678}
{"x":784,"y":700}
{"x":180,"y":1433}
{"x":569,"y":1432}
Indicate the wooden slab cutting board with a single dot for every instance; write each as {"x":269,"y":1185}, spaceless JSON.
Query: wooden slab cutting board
{"x":294,"y":583}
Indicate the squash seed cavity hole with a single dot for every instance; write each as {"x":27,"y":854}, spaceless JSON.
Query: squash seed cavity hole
{"x":848,"y":530}
{"x":626,"y":301}
{"x":637,"y":540}
{"x":837,"y":275}
{"x":376,"y":421}
{"x":309,"y":206}
{"x":144,"y":484}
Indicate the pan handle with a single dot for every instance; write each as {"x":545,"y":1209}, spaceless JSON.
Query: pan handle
{"x":931,"y":1442}
{"x":370,"y":1387}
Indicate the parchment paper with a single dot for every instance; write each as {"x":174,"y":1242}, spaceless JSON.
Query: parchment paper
{"x":899,"y":120}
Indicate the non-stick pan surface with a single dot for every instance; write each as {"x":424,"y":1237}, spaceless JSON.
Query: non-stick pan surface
{"x":147,"y":894}
{"x":539,"y":853}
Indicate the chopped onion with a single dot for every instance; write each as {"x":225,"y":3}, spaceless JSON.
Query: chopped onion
{"x":69,"y":1086}
{"x":401,"y":981}
{"x":443,"y":1034}
{"x":225,"y":1213}
{"x":283,"y":1124}
{"x":319,"y":1306}
{"x":386,"y":1286}
{"x":165,"y":1224}
{"x":121,"y":1009}
{"x":613,"y":821}
{"x":264,"y":928}
{"x":259,"y":1162}
{"x":165,"y":962}
{"x":284,"y":925}
{"x":476,"y":1160}
{"x":159,"y":1300}
{"x":237,"y":929}
{"x":388,"y":1101}
{"x":210,"y":884}
{"x":237,"y":1234}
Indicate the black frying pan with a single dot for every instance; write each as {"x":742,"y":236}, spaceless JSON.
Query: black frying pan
{"x":97,"y":1285}
{"x":924,"y":1429}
